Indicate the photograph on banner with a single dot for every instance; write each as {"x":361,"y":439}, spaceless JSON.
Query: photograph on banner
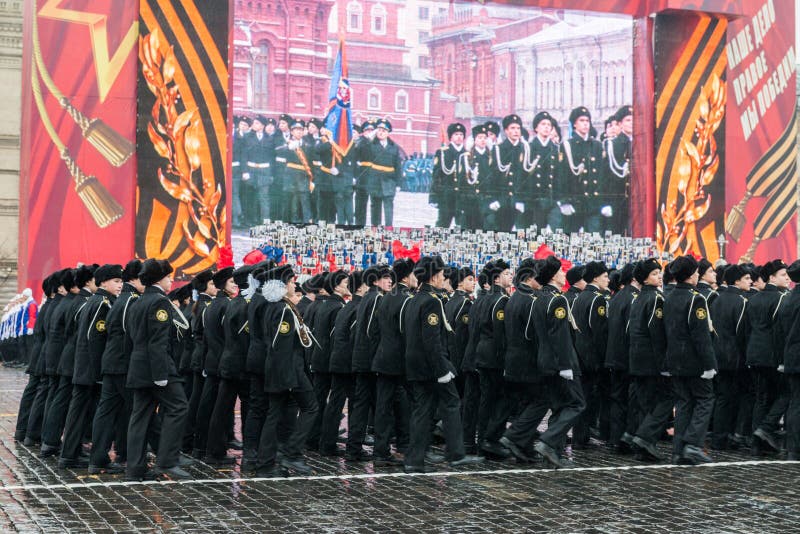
{"x":431,"y":113}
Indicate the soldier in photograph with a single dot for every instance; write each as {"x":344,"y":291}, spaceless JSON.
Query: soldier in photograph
{"x":581,"y":177}
{"x":475,"y":169}
{"x":540,"y":191}
{"x":445,"y":183}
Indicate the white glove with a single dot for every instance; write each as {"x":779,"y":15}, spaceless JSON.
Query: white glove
{"x":397,"y":189}
{"x":494,"y":206}
{"x":606,"y":211}
{"x":294,"y":145}
{"x":446,"y":378}
{"x":334,"y":171}
{"x":246,"y":176}
{"x":354,"y":181}
{"x":30,"y":331}
{"x":708,"y":375}
{"x":666,"y":373}
{"x":204,"y":373}
{"x":520,"y":207}
{"x":566,"y":374}
{"x":567,"y":209}
{"x":781,"y":368}
{"x":160,"y":383}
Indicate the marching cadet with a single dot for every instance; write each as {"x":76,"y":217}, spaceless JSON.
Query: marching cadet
{"x":444,"y":182}
{"x":621,"y":418}
{"x":286,"y":338}
{"x":206,"y":291}
{"x":512,"y":169}
{"x":790,"y":362}
{"x":233,"y":381}
{"x":457,"y":311}
{"x":521,"y":373}
{"x":257,"y":178}
{"x":492,"y":134}
{"x":238,"y":163}
{"x":391,"y":399}
{"x":731,"y":326}
{"x":591,"y":340}
{"x":581,"y":160}
{"x":489,"y":345}
{"x":556,"y":360}
{"x":384,"y":174}
{"x":154,"y":377}
{"x":214,"y":337}
{"x":64,"y":360}
{"x":474,"y":175}
{"x":690,"y":362}
{"x":430,"y":372}
{"x":361,"y":175}
{"x":295,"y":159}
{"x":540,"y":192}
{"x":336,"y":286}
{"x":365,"y":345}
{"x":110,"y":424}
{"x":90,"y":344}
{"x":707,"y":281}
{"x":618,"y":150}
{"x":653,"y":401}
{"x":763,"y":352}
{"x":341,"y":369}
{"x":576,"y":283}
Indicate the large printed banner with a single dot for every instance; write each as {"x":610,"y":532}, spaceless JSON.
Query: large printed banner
{"x":182,"y":140}
{"x":78,"y":125}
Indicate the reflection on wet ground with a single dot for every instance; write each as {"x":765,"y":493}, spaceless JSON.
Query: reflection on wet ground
{"x":605,"y":493}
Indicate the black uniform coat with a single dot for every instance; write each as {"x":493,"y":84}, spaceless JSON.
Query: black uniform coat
{"x":648,"y":338}
{"x":260,"y":156}
{"x":708,"y":292}
{"x":324,"y":329}
{"x":457,"y":311}
{"x":469,"y":363}
{"x":478,"y":168}
{"x":257,"y":350}
{"x":155,"y":355}
{"x":591,"y":340}
{"x":689,"y":348}
{"x":522,"y":344}
{"x":789,"y":319}
{"x":284,"y":366}
{"x":571,"y":294}
{"x":66,"y":363}
{"x":366,"y":340}
{"x":762,"y":311}
{"x":91,"y":338}
{"x":552,"y":322}
{"x":117,"y":353}
{"x":39,"y":337}
{"x":296,"y":167}
{"x":731,"y":328}
{"x":54,"y":338}
{"x":213,"y":332}
{"x":384,"y":173}
{"x":424,"y":324}
{"x":341,"y":360}
{"x":509,"y":175}
{"x":389,"y":355}
{"x":585,"y":189}
{"x":490,"y":347}
{"x":236,"y":328}
{"x":444,"y":181}
{"x":543,"y":182}
{"x":198,"y":331}
{"x":618,"y":313}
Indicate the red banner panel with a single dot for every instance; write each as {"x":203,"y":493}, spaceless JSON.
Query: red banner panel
{"x":78,"y":126}
{"x":182,"y":134}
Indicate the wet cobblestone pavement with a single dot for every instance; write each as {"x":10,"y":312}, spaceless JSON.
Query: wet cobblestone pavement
{"x":605,"y":493}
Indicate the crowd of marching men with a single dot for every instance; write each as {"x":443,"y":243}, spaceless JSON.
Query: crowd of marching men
{"x":121,"y":361}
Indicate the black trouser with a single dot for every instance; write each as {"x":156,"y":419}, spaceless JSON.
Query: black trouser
{"x":204,"y":410}
{"x":726,"y":407}
{"x":76,"y":417}
{"x":222,"y":413}
{"x":251,"y":210}
{"x":236,"y":198}
{"x":326,"y":206}
{"x":300,"y":206}
{"x":361,"y":207}
{"x":322,"y":387}
{"x":589,"y":385}
{"x":278,"y":405}
{"x":191,"y":417}
{"x":534,"y":401}
{"x":256,"y":415}
{"x":468,"y":213}
{"x":111,"y":420}
{"x":25,"y":406}
{"x":342,"y":386}
{"x":618,"y":406}
{"x":694,"y":403}
{"x":391,"y":413}
{"x":744,"y":421}
{"x":172,"y":406}
{"x":344,"y":208}
{"x":771,"y":398}
{"x":447,"y":209}
{"x":33,"y":429}
{"x":793,"y":415}
{"x":471,"y":406}
{"x":362,"y":401}
{"x":429,"y":398}
{"x":566,"y":401}
{"x":56,"y":411}
{"x":378,"y":202}
{"x":655,"y":401}
{"x":494,"y":405}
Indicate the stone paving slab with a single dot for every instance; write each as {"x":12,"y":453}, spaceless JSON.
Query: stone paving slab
{"x":605,"y":493}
